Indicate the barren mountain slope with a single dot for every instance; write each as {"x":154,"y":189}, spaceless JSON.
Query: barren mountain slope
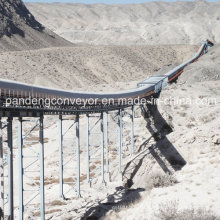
{"x":207,"y":69}
{"x":19,"y":30}
{"x":93,"y":68}
{"x":149,"y":23}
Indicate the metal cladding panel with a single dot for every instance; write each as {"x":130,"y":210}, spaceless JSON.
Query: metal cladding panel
{"x":163,"y":79}
{"x":159,"y":82}
{"x":158,"y":87}
{"x":165,"y":82}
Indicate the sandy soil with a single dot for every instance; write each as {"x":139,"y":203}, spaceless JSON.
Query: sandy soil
{"x":94,"y":68}
{"x":149,"y":23}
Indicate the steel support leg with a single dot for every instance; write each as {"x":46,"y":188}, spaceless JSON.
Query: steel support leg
{"x":60,"y":127}
{"x":78,"y":156}
{"x":106,"y":146}
{"x":20,"y":171}
{"x":1,"y":174}
{"x":132,"y":130}
{"x":120,"y":140}
{"x":10,"y":171}
{"x":87,"y":148}
{"x":102,"y":148}
{"x":42,"y":196}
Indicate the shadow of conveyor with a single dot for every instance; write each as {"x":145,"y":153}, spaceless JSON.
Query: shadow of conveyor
{"x":162,"y":150}
{"x":159,"y":128}
{"x":1,"y":214}
{"x":124,"y":196}
{"x":133,"y":166}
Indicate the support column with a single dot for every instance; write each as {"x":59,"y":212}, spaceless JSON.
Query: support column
{"x":87,"y":148}
{"x":132,"y":130}
{"x":107,"y":147}
{"x":20,"y":170}
{"x":1,"y":174}
{"x":10,"y":171}
{"x":78,"y":156}
{"x":102,"y":148}
{"x":42,"y":196}
{"x":60,"y":127}
{"x":120,"y":140}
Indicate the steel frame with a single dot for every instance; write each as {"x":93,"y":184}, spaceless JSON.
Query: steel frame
{"x":32,"y":159}
{"x":7,"y":161}
{"x":121,"y":126}
{"x":130,"y":113}
{"x":90,"y":148}
{"x":112,"y":117}
{"x":63,"y":165}
{"x":27,"y":163}
{"x":1,"y":174}
{"x":106,"y":138}
{"x":10,"y":169}
{"x":3,"y":164}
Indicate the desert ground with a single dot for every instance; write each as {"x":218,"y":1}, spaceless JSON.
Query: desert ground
{"x":148,"y":23}
{"x":96,"y":68}
{"x":174,"y":173}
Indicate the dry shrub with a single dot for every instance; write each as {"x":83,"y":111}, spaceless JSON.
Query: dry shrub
{"x":114,"y":157}
{"x":36,"y":214}
{"x":114,"y":153}
{"x":92,"y":175}
{"x":192,"y":118}
{"x":207,"y":118}
{"x":169,"y":211}
{"x":35,"y":139}
{"x":190,"y":125}
{"x":69,"y":180}
{"x":185,"y":106}
{"x":36,"y":183}
{"x":46,"y":140}
{"x":183,"y":114}
{"x":83,"y":177}
{"x":50,"y":180}
{"x":92,"y":167}
{"x":47,"y":181}
{"x":158,"y":179}
{"x":57,"y":203}
{"x":52,"y":211}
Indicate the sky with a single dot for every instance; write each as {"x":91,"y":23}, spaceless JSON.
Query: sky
{"x":99,"y":1}
{"x":93,"y":1}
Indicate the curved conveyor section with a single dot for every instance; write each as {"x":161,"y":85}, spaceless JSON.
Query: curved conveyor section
{"x":148,"y":88}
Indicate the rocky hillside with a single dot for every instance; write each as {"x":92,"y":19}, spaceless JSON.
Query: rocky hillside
{"x":101,"y":68}
{"x":20,"y":30}
{"x":149,"y":23}
{"x":12,"y":15}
